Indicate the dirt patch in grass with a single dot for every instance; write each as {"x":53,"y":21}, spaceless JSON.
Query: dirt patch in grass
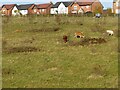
{"x":52,"y":29}
{"x":88,"y":41}
{"x":21,"y":49}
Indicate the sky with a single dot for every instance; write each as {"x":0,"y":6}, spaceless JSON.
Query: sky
{"x":106,"y":3}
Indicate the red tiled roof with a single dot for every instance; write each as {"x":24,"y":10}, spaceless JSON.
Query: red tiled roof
{"x":40,"y":6}
{"x":85,"y":0}
{"x":8,"y":6}
{"x":84,"y":3}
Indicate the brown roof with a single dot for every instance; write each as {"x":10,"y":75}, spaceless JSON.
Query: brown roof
{"x":40,"y":6}
{"x":85,"y":0}
{"x":84,"y":3}
{"x":8,"y":6}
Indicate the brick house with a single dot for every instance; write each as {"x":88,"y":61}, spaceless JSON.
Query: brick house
{"x":116,"y":6}
{"x":43,"y":8}
{"x":26,"y":9}
{"x":9,"y":9}
{"x":93,"y":6}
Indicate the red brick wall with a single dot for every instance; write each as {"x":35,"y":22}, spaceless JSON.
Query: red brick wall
{"x":69,"y":9}
{"x":97,"y":7}
{"x":86,"y":8}
{"x":115,"y":7}
{"x":31,"y":10}
{"x":6,"y":12}
{"x":72,"y":7}
{"x":45,"y":11}
{"x":89,"y":8}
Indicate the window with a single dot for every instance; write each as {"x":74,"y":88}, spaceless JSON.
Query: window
{"x":43,"y":10}
{"x":75,"y":7}
{"x":35,"y":10}
{"x":87,"y":6}
{"x":3,"y":11}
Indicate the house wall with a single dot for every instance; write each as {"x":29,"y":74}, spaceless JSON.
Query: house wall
{"x":97,"y":7}
{"x":6,"y":12}
{"x":45,"y":10}
{"x":24,"y":12}
{"x":69,"y":9}
{"x":35,"y":10}
{"x":87,"y":8}
{"x":75,"y":10}
{"x":48,"y":9}
{"x":41,"y":11}
{"x":53,"y":10}
{"x":30,"y":10}
{"x":116,"y":7}
{"x":80,"y":9}
{"x":13,"y":11}
{"x":62,"y":9}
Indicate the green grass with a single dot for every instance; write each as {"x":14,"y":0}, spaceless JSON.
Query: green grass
{"x":58,"y":64}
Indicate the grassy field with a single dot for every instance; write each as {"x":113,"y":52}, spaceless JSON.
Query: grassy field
{"x":35,"y":55}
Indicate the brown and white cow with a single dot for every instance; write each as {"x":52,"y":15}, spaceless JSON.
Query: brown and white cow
{"x":79,"y":35}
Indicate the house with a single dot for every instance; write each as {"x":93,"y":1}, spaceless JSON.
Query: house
{"x":9,"y":9}
{"x":61,"y":8}
{"x":105,"y":12}
{"x":93,"y":6}
{"x":26,"y":9}
{"x":44,"y":8}
{"x":116,"y":7}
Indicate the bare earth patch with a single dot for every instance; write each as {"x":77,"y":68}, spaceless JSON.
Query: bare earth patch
{"x":21,"y":49}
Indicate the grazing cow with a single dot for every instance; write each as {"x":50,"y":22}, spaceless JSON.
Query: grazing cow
{"x":110,"y":32}
{"x":79,"y":35}
{"x":65,"y":38}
